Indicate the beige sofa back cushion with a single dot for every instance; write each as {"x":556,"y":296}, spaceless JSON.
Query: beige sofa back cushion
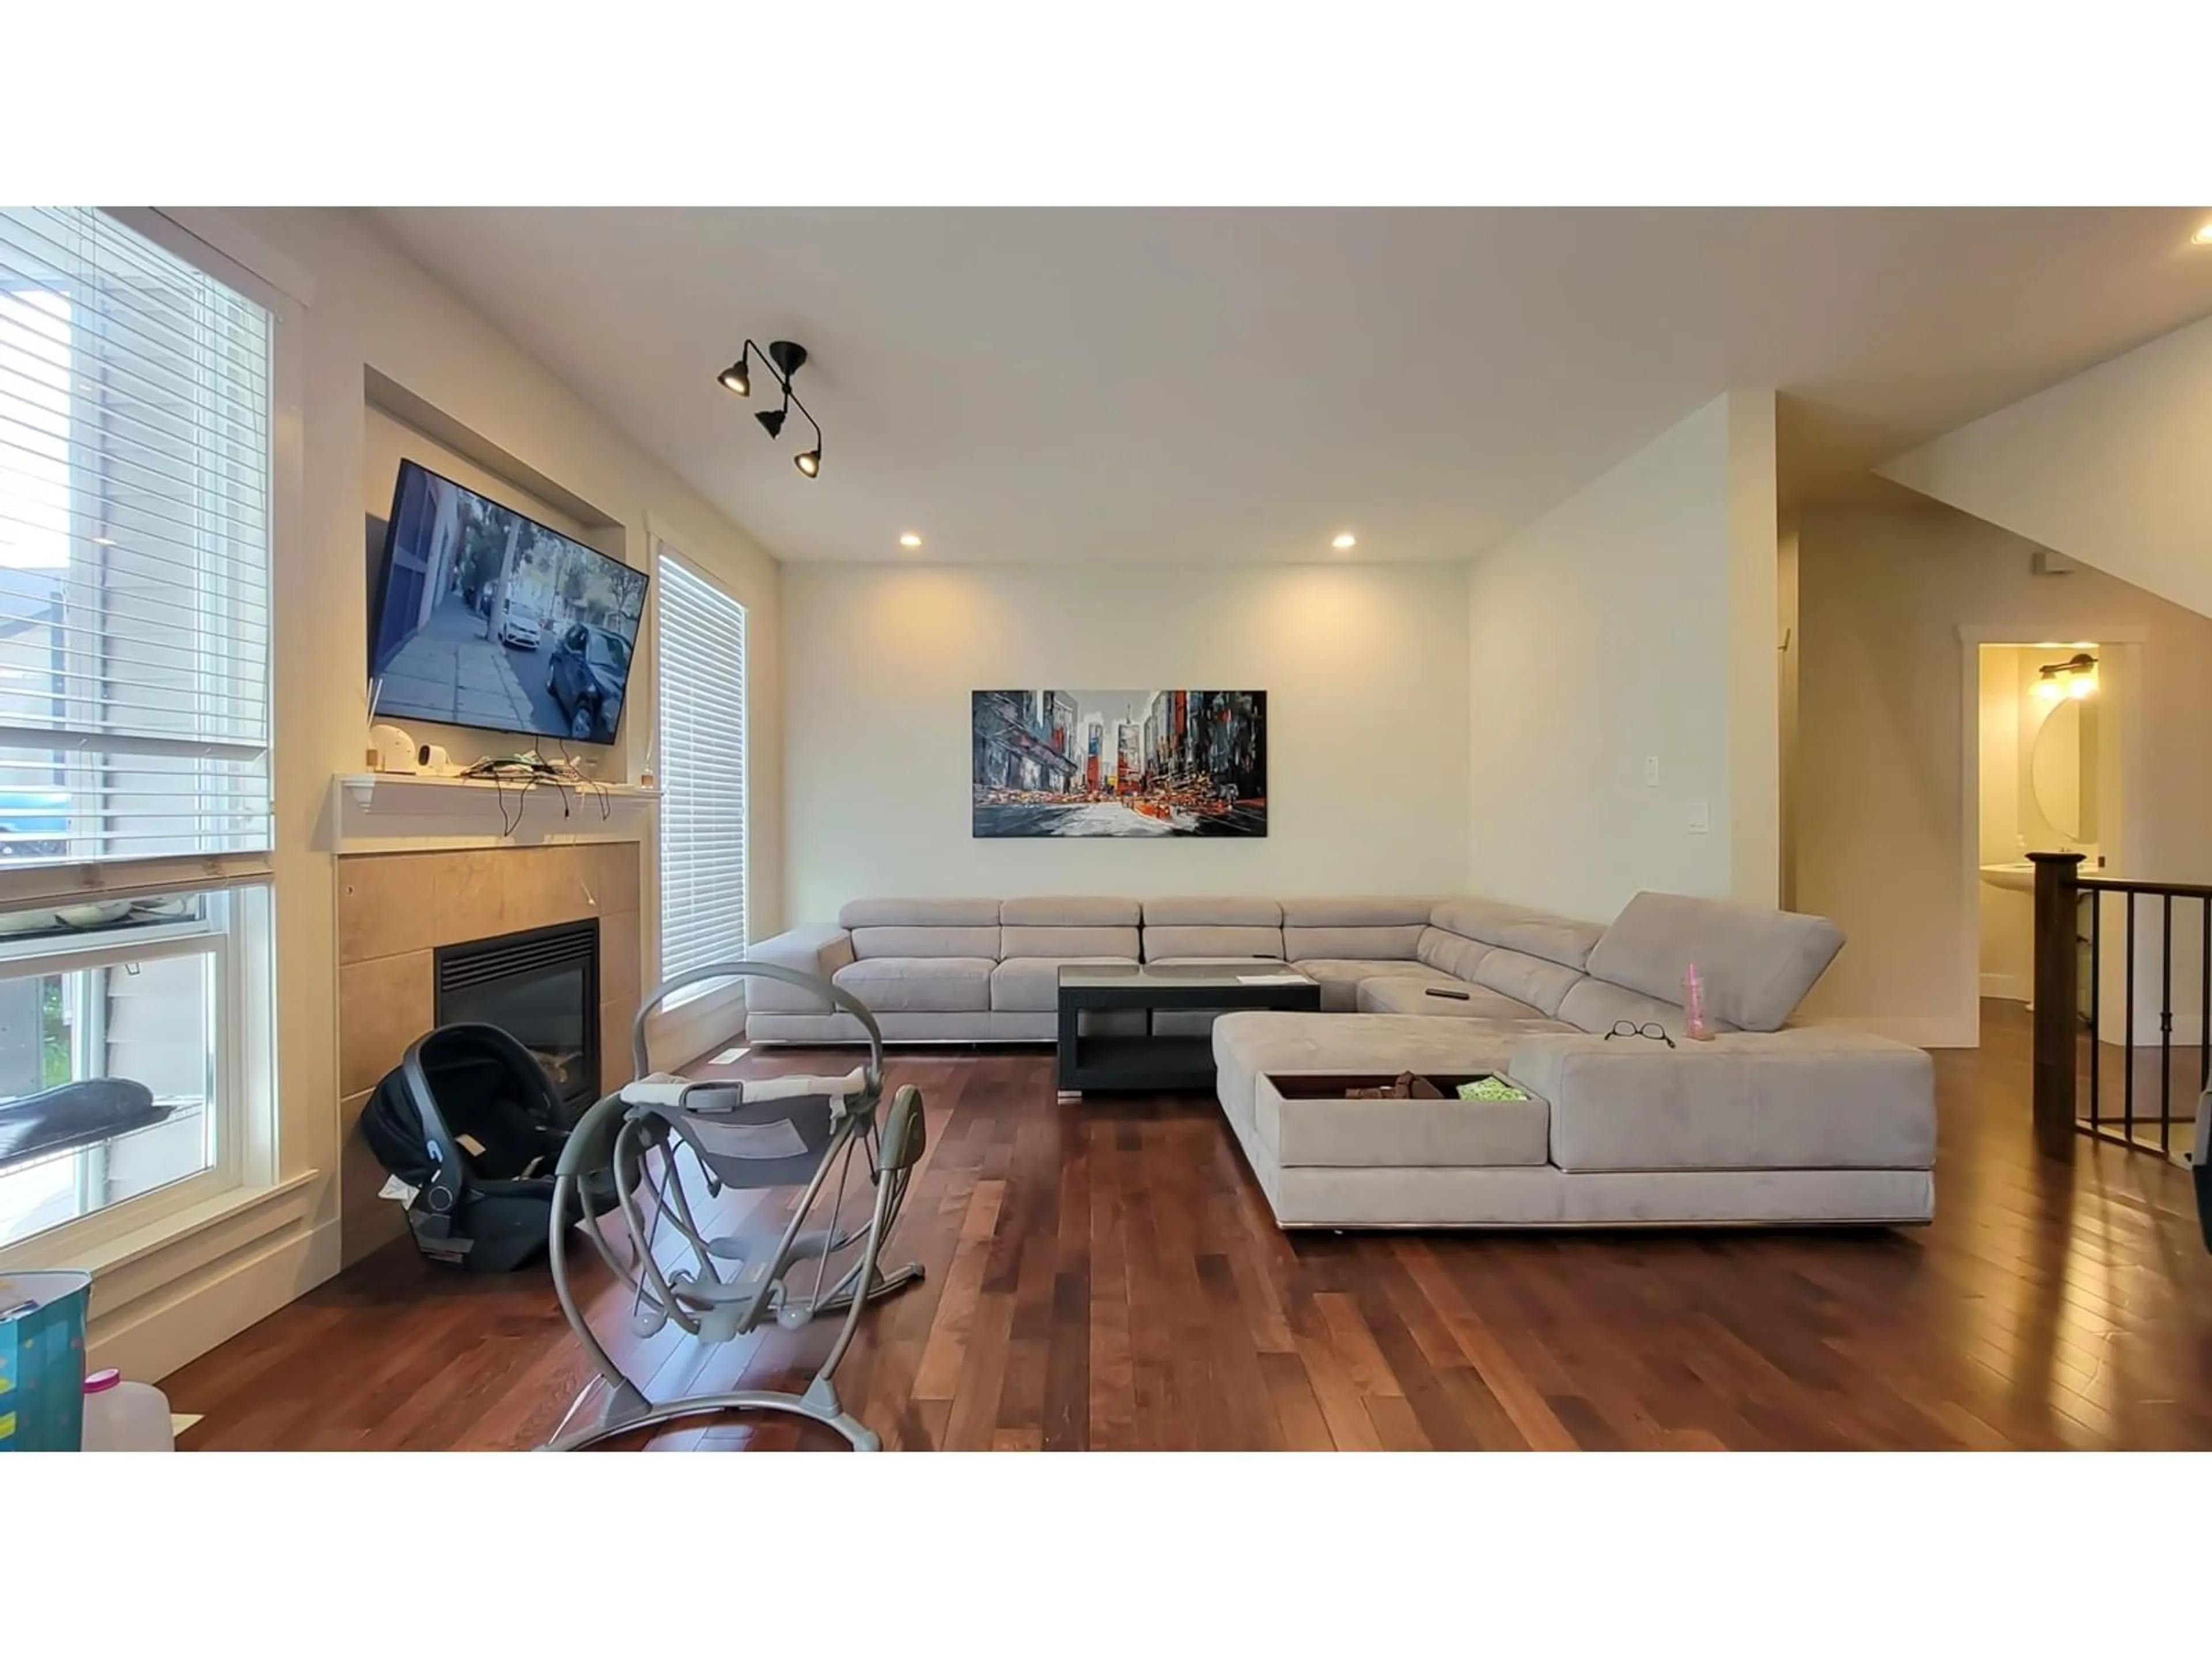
{"x":1165,"y":942}
{"x":1212,"y":910}
{"x":1596,"y":1004}
{"x":1532,"y":933}
{"x":1213,"y":926}
{"x":922,"y":926}
{"x":1068,"y":927}
{"x":1070,"y":910}
{"x":1353,"y":929}
{"x":972,"y":942}
{"x":920,"y":913}
{"x":1540,"y":984}
{"x":1449,"y":952}
{"x":1756,"y":964}
{"x":1067,"y":942}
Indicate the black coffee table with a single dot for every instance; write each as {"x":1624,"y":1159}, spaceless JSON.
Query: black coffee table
{"x":1150,"y":1062}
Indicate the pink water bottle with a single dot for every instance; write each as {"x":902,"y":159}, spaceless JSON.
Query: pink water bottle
{"x":1694,"y":1005}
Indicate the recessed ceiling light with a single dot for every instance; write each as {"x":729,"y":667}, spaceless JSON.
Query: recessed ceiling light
{"x":910,"y":540}
{"x":1346,"y":540}
{"x":2203,"y":236}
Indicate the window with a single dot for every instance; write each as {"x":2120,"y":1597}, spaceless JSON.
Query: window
{"x":702,"y":770}
{"x":134,"y":485}
{"x":143,"y":990}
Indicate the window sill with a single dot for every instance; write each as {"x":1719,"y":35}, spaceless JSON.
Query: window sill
{"x":266,"y":1204}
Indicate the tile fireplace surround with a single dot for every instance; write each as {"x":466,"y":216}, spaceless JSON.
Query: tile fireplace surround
{"x":396,"y":908}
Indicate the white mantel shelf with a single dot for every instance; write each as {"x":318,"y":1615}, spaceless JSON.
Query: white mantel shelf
{"x":407,"y":812}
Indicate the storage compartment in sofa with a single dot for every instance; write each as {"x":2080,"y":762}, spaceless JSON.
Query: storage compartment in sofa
{"x":1313,"y":1119}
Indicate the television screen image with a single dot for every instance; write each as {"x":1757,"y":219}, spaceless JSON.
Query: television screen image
{"x":486,"y":618}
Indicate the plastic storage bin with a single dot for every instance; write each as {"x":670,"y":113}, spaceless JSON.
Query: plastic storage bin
{"x":42,"y":1360}
{"x":121,"y":1416}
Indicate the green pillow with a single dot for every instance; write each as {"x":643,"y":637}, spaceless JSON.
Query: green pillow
{"x":1491,"y":1088}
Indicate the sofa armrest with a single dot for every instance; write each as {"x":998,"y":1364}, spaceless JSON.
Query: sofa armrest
{"x":820,"y":951}
{"x":1801,"y":1098}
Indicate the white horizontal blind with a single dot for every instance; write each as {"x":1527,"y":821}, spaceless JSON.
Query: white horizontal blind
{"x":135,"y":478}
{"x":701,"y":643}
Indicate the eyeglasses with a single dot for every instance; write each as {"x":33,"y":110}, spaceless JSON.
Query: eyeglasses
{"x":1648,"y":1028}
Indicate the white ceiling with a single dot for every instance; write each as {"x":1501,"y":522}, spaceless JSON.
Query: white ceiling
{"x":1087,"y":385}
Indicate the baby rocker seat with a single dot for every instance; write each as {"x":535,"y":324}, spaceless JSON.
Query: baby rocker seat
{"x":748,"y":1134}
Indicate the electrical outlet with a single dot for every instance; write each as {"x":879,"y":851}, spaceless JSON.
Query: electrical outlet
{"x":1652,"y":771}
{"x":1701,"y":822}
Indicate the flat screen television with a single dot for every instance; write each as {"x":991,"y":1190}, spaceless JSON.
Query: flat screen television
{"x":486,"y":618}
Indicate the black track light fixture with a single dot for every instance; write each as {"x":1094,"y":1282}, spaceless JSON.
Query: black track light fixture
{"x":785,"y":359}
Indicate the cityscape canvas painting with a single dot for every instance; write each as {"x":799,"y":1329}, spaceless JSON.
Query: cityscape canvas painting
{"x":1077,"y":763}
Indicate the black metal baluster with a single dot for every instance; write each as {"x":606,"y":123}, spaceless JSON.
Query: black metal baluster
{"x":2128,"y":1031}
{"x":2096,"y":1007}
{"x":2165,"y":1023}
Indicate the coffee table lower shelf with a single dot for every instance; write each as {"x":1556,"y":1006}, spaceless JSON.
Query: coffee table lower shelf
{"x":1147,"y":1064}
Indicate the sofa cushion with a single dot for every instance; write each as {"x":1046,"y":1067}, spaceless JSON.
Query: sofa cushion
{"x":1353,"y":929}
{"x":920,"y":913}
{"x":1031,"y":985}
{"x":920,"y":985}
{"x":1596,"y":1004}
{"x":1756,"y":964}
{"x":1343,"y":1133}
{"x":1217,"y":910}
{"x":1069,"y":941}
{"x":1531,"y":933}
{"x":1368,"y":944}
{"x":1543,"y":984}
{"x":1398,"y":993}
{"x":902,"y":942}
{"x":1805,"y":1099}
{"x":1069,"y":911}
{"x":1449,"y":952}
{"x":1213,"y":941}
{"x":1339,"y":980}
{"x":1380,"y":911}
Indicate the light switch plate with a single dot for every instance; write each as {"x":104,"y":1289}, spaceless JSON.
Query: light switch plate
{"x":1652,"y":771}
{"x":1700,"y":818}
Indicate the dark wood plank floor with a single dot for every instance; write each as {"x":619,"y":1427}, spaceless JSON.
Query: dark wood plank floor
{"x":1106,"y":1276}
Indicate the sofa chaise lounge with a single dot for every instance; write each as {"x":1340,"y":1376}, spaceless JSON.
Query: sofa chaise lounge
{"x":1763,"y":1123}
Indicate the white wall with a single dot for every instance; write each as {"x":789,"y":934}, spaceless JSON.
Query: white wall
{"x":2005,"y":917}
{"x":2110,"y":467}
{"x":1635,"y":620}
{"x":368,"y":306}
{"x":1885,"y":784}
{"x":1365,"y":669}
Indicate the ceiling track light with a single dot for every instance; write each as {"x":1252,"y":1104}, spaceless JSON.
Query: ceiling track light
{"x":784,"y":358}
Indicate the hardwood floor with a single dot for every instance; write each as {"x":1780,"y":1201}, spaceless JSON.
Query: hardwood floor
{"x":1106,"y":1276}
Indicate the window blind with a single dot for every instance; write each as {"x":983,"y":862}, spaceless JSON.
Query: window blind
{"x":702,"y":647}
{"x":135,"y":482}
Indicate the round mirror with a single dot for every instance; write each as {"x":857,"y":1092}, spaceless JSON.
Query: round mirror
{"x":2063,"y":768}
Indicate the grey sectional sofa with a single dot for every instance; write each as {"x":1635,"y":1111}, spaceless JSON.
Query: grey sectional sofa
{"x":1762,"y":1123}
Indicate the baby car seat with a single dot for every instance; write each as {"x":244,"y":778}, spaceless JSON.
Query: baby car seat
{"x":471,"y":1120}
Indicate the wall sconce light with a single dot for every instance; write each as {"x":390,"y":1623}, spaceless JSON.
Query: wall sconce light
{"x":784,"y":358}
{"x":2075,"y":677}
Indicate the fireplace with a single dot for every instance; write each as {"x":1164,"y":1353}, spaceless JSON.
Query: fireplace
{"x":541,"y":987}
